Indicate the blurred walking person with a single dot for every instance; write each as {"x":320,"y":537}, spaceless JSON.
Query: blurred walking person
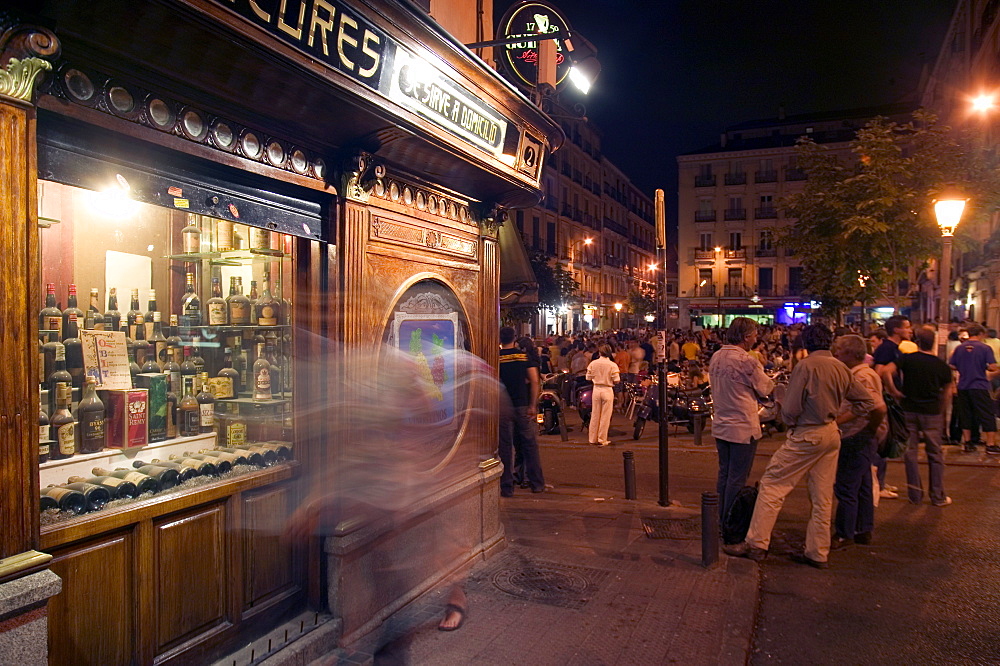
{"x":517,"y":426}
{"x":605,"y":374}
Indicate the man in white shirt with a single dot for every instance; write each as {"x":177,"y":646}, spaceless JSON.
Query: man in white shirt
{"x":604,"y":373}
{"x":738,"y":380}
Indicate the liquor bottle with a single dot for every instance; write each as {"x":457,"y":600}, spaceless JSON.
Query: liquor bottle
{"x":59,"y":375}
{"x":69,"y":500}
{"x":231,"y":387}
{"x":191,"y":236}
{"x":254,"y":456}
{"x":222,"y":464}
{"x":91,"y":417}
{"x":93,"y":319}
{"x":74,"y":350}
{"x":62,"y":425}
{"x":253,"y":294}
{"x":133,"y":364}
{"x":50,"y":317}
{"x":188,"y":410}
{"x":201,"y":467}
{"x":224,"y":236}
{"x":196,"y":358}
{"x":133,"y":318}
{"x":158,"y":342}
{"x":206,"y":405}
{"x":260,"y":239}
{"x":285,"y":306}
{"x":49,"y":354}
{"x":261,"y":376}
{"x":240,"y":364}
{"x":118,"y":488}
{"x":142,"y":351}
{"x":188,"y":369}
{"x":112,"y":317}
{"x":71,"y":309}
{"x":150,"y":365}
{"x":218,"y":312}
{"x":43,"y":431}
{"x":234,"y":456}
{"x":97,"y":496}
{"x":267,"y":307}
{"x":143,"y":482}
{"x":234,"y":431}
{"x":172,"y":413}
{"x":173,"y":370}
{"x":270,"y":353}
{"x":167,"y":478}
{"x":190,"y":303}
{"x":45,"y":502}
{"x":183,"y":473}
{"x":147,"y":318}
{"x":174,"y":339}
{"x":239,"y":305}
{"x":283,"y":451}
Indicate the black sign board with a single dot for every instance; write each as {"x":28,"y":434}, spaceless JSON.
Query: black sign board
{"x":530,"y":19}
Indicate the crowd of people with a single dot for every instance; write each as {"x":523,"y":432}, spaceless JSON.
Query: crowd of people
{"x":843,"y":386}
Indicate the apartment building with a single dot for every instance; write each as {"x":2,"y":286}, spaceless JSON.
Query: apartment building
{"x":730,"y":208}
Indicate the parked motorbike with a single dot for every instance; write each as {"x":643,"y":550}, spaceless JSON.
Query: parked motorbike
{"x":684,"y":407}
{"x":769,"y":411}
{"x":583,"y":399}
{"x":551,"y":408}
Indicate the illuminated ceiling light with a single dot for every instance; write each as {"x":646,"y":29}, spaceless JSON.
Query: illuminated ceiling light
{"x":115,"y":201}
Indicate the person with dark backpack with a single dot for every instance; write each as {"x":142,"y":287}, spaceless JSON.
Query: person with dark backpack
{"x":926,"y":380}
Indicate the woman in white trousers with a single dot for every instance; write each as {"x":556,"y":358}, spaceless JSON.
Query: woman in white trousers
{"x":603,"y":371}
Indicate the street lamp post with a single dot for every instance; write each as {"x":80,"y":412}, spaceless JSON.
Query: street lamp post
{"x":948,"y":211}
{"x":573,"y":257}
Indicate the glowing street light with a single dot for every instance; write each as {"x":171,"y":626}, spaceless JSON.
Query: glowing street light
{"x":948,"y":211}
{"x":984,"y":103}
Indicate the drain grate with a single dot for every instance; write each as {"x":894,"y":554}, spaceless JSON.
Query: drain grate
{"x":672,"y":528}
{"x":549,"y":583}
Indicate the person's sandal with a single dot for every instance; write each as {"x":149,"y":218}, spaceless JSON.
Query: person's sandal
{"x":448,"y":610}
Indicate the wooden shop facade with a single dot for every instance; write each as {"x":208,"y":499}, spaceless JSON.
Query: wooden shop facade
{"x":283,"y":186}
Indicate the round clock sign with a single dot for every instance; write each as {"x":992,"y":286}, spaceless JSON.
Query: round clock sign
{"x":529,"y":19}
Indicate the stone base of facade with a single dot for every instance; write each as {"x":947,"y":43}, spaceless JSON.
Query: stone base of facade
{"x":24,"y":625}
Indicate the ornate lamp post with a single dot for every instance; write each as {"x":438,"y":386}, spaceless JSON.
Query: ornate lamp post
{"x":948,"y":211}
{"x":618,"y":315}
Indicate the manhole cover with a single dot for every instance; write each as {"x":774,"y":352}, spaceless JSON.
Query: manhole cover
{"x":548,"y":583}
{"x":672,"y":528}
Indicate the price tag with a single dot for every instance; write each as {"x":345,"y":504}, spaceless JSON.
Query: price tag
{"x":105,"y":358}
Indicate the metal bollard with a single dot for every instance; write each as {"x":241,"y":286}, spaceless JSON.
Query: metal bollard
{"x":699,"y":427}
{"x":709,"y":528}
{"x":629,"y":460}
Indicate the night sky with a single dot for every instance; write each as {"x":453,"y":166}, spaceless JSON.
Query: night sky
{"x":676,"y":73}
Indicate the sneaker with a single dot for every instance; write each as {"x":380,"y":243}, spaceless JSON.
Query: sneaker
{"x":945,"y":502}
{"x":885,"y":493}
{"x":993,"y":450}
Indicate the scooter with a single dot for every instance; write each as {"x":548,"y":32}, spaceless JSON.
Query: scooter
{"x":550,"y":409}
{"x":583,"y":399}
{"x":685,"y":407}
{"x":769,"y":412}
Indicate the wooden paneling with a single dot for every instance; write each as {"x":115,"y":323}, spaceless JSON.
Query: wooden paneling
{"x":266,"y":555}
{"x":93,"y":620}
{"x":191,"y":574}
{"x":18,"y":339}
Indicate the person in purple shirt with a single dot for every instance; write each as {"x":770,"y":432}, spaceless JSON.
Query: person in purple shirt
{"x":973,"y":404}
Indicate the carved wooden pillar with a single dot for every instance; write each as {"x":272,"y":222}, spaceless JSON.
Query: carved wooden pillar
{"x":489,"y":295}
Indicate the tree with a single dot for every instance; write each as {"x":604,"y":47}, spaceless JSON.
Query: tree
{"x":862,"y":223}
{"x":641,"y":302}
{"x":556,"y":286}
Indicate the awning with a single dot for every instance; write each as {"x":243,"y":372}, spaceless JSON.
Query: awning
{"x":517,"y":280}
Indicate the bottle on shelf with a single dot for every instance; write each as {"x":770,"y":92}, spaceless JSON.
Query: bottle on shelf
{"x":173,"y":369}
{"x":133,"y":365}
{"x":173,"y":340}
{"x":74,"y":350}
{"x":191,"y":236}
{"x":150,"y":365}
{"x":143,"y":482}
{"x":270,"y":353}
{"x":240,"y":364}
{"x":71,"y":309}
{"x":267,"y":308}
{"x":49,"y":353}
{"x":261,"y":375}
{"x":167,"y":478}
{"x":188,"y":410}
{"x":158,"y":342}
{"x":222,"y":465}
{"x":58,"y":376}
{"x":190,"y":303}
{"x":253,"y":294}
{"x":134,"y":318}
{"x":188,"y":369}
{"x":96,"y":496}
{"x":112,"y":317}
{"x":255,"y":455}
{"x":197,"y":359}
{"x":94,"y":320}
{"x":147,"y":319}
{"x":285,"y":306}
{"x":206,"y":405}
{"x":143,"y":354}
{"x":50,"y":317}
{"x":224,"y":236}
{"x":68,"y":499}
{"x":201,"y":467}
{"x":171,"y":412}
{"x":183,"y":473}
{"x":43,"y":431}
{"x":62,"y":425}
{"x":283,"y":451}
{"x":238,"y":457}
{"x":119,"y":488}
{"x":239,"y":305}
{"x":260,"y":239}
{"x":90,"y":415}
{"x":218,"y":312}
{"x":231,"y":387}
{"x":45,"y":502}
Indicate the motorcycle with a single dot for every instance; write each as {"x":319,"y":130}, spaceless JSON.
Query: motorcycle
{"x":583,"y":399}
{"x":684,"y":407}
{"x":769,"y":411}
{"x":551,"y":407}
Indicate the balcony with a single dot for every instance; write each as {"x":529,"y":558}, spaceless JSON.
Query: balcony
{"x":567,"y":210}
{"x":737,"y":291}
{"x":704,"y":216}
{"x":794,"y":174}
{"x":735,"y":214}
{"x":765,"y":291}
{"x":611,"y":225}
{"x":551,"y":204}
{"x":765,"y":213}
{"x":766,"y":252}
{"x":765,"y":177}
{"x":703,"y":291}
{"x":704,"y":181}
{"x":735,"y":179}
{"x":738,"y":253}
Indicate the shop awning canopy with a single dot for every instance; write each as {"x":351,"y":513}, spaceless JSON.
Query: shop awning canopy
{"x":518,"y":285}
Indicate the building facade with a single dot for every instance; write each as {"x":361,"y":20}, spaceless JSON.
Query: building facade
{"x":730,"y":209}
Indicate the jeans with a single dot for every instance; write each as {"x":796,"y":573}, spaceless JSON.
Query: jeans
{"x":930,"y":425}
{"x":735,"y":462}
{"x":853,"y":487}
{"x":517,"y":432}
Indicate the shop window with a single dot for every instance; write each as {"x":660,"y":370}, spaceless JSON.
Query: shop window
{"x":165,"y":335}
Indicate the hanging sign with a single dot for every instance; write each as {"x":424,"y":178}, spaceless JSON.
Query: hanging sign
{"x":105,"y":358}
{"x":529,"y":20}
